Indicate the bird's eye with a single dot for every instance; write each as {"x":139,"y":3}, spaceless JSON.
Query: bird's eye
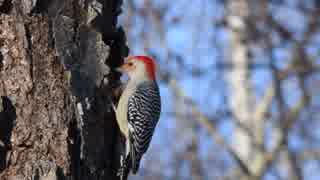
{"x":130,"y":64}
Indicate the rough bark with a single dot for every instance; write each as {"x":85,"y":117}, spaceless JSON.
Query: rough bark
{"x":56,"y":80}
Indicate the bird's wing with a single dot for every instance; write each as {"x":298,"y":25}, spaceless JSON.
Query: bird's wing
{"x":143,"y":114}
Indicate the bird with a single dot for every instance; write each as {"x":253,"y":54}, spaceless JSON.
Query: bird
{"x":138,"y":111}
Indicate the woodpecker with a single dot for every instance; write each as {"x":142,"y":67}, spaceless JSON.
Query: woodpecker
{"x":138,"y":111}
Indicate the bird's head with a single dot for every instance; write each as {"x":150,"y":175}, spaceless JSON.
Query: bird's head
{"x":139,"y":67}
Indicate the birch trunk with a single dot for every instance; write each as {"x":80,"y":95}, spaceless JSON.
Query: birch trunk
{"x":240,"y":99}
{"x":248,"y":139}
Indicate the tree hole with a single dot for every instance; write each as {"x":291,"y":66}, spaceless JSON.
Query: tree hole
{"x":41,"y":6}
{"x":7,"y":119}
{"x":6,"y":6}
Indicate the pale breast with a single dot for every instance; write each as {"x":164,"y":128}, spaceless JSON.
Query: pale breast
{"x":122,"y":109}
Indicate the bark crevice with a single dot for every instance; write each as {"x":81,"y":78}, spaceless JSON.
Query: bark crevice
{"x":41,"y":6}
{"x":6,"y":6}
{"x":1,"y":60}
{"x":7,"y":120}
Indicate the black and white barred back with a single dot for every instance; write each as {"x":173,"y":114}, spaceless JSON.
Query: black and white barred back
{"x":144,"y":108}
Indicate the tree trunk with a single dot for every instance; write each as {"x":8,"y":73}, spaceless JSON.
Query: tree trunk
{"x":56,"y":79}
{"x":248,"y":139}
{"x":241,"y":101}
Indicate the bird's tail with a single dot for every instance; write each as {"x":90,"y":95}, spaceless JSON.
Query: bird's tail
{"x":134,"y":161}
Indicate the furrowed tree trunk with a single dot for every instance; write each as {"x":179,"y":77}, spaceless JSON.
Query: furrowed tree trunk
{"x":56,"y":79}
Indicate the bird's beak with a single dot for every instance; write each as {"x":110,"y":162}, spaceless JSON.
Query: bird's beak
{"x":121,"y":68}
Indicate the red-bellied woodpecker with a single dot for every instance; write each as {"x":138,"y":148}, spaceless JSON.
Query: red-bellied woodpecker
{"x":138,"y":110}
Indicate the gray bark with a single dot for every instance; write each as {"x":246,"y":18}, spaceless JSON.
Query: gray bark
{"x":56,"y":80}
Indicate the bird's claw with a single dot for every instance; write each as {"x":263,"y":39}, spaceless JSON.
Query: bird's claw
{"x":121,"y":172}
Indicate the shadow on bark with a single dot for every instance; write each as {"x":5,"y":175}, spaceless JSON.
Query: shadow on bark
{"x":6,"y":6}
{"x":7,"y":119}
{"x":1,"y":61}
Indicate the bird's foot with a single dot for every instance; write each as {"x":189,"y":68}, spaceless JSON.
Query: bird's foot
{"x":122,"y":172}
